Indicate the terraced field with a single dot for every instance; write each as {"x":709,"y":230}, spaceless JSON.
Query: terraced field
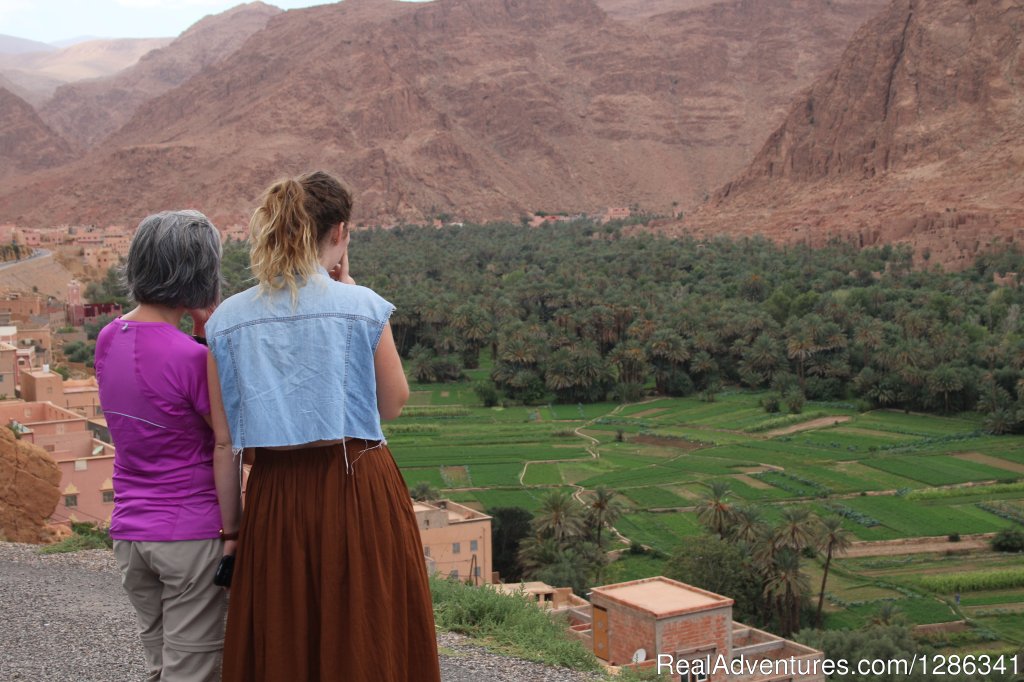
{"x":887,"y":474}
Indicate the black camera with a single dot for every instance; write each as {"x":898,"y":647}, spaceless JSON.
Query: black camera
{"x":225,"y":569}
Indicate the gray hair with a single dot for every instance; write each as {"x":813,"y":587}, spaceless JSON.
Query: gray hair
{"x":174,"y":260}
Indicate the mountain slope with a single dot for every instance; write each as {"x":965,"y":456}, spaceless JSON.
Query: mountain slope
{"x":484,"y":108}
{"x":87,"y":112}
{"x":916,"y":136}
{"x":26,"y":143}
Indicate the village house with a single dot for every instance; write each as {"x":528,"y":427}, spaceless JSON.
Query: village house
{"x":21,"y":307}
{"x":687,"y":634}
{"x":8,"y":371}
{"x":616,"y":213}
{"x":81,"y":396}
{"x":456,"y":540}
{"x":86,"y":464}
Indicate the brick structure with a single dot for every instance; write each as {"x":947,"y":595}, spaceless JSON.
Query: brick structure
{"x":655,"y":620}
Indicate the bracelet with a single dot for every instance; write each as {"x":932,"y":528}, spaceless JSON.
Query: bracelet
{"x":228,"y":536}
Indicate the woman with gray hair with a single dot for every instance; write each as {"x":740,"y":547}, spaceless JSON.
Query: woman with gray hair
{"x":176,"y":489}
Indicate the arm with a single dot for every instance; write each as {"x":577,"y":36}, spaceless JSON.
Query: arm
{"x":225,"y":470}
{"x":392,"y":386}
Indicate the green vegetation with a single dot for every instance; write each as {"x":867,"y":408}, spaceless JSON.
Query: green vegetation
{"x":83,"y":536}
{"x":510,"y":623}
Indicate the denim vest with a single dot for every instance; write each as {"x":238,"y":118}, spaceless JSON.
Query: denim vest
{"x":294,"y":372}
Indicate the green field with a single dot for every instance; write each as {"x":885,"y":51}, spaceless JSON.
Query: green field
{"x":926,"y":475}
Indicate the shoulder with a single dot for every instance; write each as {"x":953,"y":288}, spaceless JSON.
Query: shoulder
{"x":363,"y":300}
{"x":230,"y":311}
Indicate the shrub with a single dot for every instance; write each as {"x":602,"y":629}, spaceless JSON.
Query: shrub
{"x":83,"y":536}
{"x":512,"y":623}
{"x":770,"y":403}
{"x":795,"y":402}
{"x":954,"y":537}
{"x":1008,"y":540}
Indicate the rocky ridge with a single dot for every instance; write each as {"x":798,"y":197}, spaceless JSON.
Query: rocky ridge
{"x":85,"y":113}
{"x":915,"y":137}
{"x":26,"y":142}
{"x":482,"y":108}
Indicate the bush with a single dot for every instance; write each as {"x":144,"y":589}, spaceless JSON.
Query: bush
{"x":513,"y":624}
{"x":770,"y":403}
{"x":83,"y":536}
{"x":488,"y":393}
{"x":795,"y":402}
{"x":954,"y":537}
{"x":1008,"y":540}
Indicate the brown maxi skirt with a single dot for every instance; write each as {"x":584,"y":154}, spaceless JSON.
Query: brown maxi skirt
{"x":330,"y":581}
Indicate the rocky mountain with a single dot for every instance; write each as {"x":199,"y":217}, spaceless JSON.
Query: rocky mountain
{"x":482,"y":108}
{"x":26,"y":143}
{"x":41,"y":73}
{"x":917,"y":136}
{"x":85,"y":113}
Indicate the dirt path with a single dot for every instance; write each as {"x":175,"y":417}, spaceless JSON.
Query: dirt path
{"x":918,"y":546}
{"x":819,"y":423}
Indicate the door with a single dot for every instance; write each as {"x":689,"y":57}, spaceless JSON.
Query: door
{"x":600,"y":633}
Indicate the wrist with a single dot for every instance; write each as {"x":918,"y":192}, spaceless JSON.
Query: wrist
{"x":228,"y":536}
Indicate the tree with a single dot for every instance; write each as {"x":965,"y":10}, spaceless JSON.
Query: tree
{"x":715,"y":512}
{"x":722,"y":567}
{"x":789,"y":587}
{"x":559,"y":517}
{"x":603,"y":509}
{"x":509,"y":526}
{"x":424,"y":492}
{"x":797,"y":529}
{"x":832,"y":539}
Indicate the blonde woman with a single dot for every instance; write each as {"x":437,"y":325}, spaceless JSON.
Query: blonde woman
{"x":329,"y":580}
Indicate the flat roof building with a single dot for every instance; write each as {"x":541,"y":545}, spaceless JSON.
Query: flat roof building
{"x":456,"y":540}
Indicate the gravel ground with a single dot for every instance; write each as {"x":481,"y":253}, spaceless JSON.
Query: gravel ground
{"x":63,"y":617}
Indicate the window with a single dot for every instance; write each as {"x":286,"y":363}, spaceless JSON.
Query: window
{"x":71,"y":500}
{"x":472,"y":545}
{"x":81,"y":465}
{"x":456,"y":547}
{"x":108,"y":495}
{"x":426,"y":550}
{"x":476,"y":571}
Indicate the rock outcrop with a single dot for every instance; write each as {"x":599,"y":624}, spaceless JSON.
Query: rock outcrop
{"x":29,"y":492}
{"x":916,"y":137}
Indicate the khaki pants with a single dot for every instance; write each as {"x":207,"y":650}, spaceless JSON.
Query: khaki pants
{"x":180,"y":611}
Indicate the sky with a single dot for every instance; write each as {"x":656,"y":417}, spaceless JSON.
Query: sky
{"x":49,"y":21}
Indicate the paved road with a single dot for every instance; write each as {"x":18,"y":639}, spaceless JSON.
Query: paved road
{"x":64,"y":618}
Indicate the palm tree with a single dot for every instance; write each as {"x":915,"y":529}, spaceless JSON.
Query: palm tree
{"x":559,"y":517}
{"x":604,"y":509}
{"x":797,"y":530}
{"x":832,"y":539}
{"x":749,"y":526}
{"x":715,"y":512}
{"x":789,"y":587}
